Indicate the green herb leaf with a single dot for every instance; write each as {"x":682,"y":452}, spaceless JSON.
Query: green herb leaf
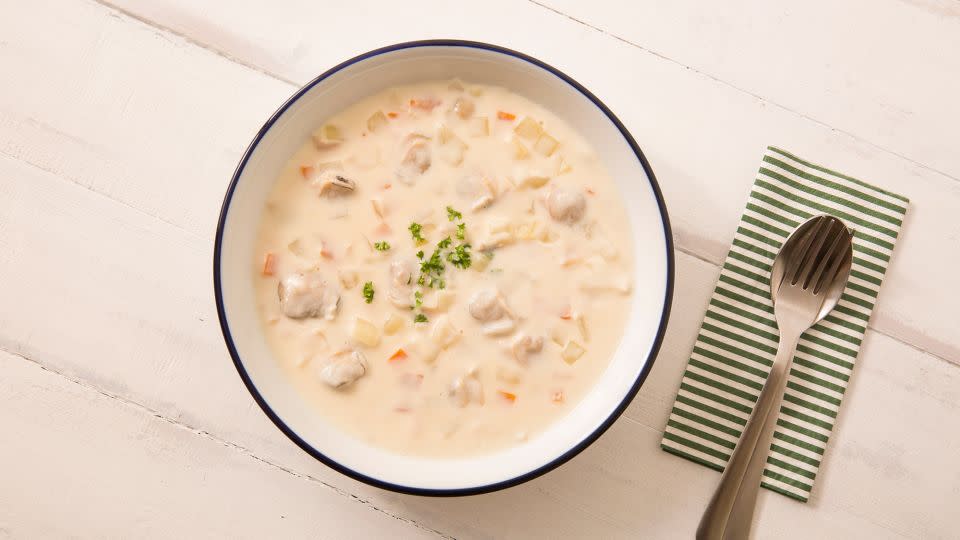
{"x":417,"y":298}
{"x":368,"y":291}
{"x":420,"y":254}
{"x":416,"y":231}
{"x":460,"y":257}
{"x":461,"y":230}
{"x":420,"y":318}
{"x":453,"y":214}
{"x":445,"y":243}
{"x":381,"y":246}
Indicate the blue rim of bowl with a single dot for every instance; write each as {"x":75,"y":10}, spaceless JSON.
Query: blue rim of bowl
{"x":556,"y":462}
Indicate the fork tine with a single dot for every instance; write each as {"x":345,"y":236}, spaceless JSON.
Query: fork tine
{"x":812,"y":253}
{"x":793,"y":263}
{"x":839,"y":261}
{"x":833,"y":251}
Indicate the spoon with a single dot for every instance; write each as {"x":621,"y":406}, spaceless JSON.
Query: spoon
{"x":806,"y":281}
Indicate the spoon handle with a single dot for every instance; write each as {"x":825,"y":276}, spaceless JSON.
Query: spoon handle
{"x":730,"y":512}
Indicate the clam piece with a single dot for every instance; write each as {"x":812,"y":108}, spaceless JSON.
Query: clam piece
{"x":467,"y":389}
{"x":415,"y":162}
{"x":566,"y":206}
{"x":501,"y":327}
{"x":525,"y":345}
{"x":487,"y":305}
{"x":306,"y":295}
{"x":343,"y":368}
{"x":332,"y":183}
{"x":401,"y":272}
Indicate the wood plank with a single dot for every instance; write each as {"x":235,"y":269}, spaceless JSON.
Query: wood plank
{"x":193,"y":111}
{"x":163,"y":352}
{"x":883,"y":71}
{"x":81,"y":464}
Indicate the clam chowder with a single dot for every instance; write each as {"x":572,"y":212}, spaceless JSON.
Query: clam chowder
{"x":444,"y":269}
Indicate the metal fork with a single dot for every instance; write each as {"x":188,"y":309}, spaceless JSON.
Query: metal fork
{"x":807,"y":279}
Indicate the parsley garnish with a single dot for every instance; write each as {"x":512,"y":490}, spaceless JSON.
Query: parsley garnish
{"x":453,"y":214}
{"x":420,"y":318}
{"x":381,"y":246}
{"x":445,"y":243}
{"x":432,"y":268}
{"x":460,"y":257}
{"x":417,"y":298}
{"x":461,"y":230}
{"x":420,"y":254}
{"x":416,"y":231}
{"x":368,"y":291}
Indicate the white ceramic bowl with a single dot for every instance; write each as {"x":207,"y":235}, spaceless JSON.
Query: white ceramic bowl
{"x":368,"y":74}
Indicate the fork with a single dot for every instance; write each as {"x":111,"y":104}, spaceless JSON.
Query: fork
{"x":807,"y":278}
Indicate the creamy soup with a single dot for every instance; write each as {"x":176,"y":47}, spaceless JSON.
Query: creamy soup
{"x":444,"y":269}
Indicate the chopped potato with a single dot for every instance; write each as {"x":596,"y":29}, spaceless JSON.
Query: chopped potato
{"x":348,"y":278}
{"x":463,"y":108}
{"x":546,"y":145}
{"x":519,"y":150}
{"x":376,"y":121}
{"x":393,"y":324}
{"x":444,"y":334}
{"x":581,"y":320}
{"x":572,"y":352}
{"x":478,"y":126}
{"x":528,"y":128}
{"x":509,"y":374}
{"x":326,"y":137}
{"x":365,"y":333}
{"x":438,"y":301}
{"x":534,"y":181}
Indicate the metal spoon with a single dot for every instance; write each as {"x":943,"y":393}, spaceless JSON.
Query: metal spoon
{"x":807,"y":279}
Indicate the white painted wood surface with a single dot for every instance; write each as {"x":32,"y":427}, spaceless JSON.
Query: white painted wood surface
{"x":121,"y":121}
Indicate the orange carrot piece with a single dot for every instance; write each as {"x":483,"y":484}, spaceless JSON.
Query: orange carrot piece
{"x":509,"y":396}
{"x":387,"y":186}
{"x":567,"y":313}
{"x":392,"y":114}
{"x":506,"y":116}
{"x":269,"y":263}
{"x":306,"y":170}
{"x":558,"y":396}
{"x":398,"y":356}
{"x":325,"y":251}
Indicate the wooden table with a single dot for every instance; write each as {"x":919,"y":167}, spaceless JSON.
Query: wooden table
{"x":122,"y":120}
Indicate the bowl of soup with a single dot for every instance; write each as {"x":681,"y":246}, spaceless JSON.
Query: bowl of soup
{"x":443,"y":268}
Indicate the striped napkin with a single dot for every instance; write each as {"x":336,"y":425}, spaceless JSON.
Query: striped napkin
{"x":738,"y":337}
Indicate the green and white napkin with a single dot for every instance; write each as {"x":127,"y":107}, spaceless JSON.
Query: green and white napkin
{"x":738,"y":337}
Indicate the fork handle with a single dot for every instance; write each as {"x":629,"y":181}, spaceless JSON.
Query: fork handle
{"x":729,"y":514}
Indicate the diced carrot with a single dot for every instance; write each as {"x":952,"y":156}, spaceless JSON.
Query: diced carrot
{"x":325,"y":251}
{"x":387,"y":185}
{"x":401,"y":409}
{"x":591,"y":191}
{"x":306,"y":170}
{"x":509,"y":396}
{"x":506,"y":116}
{"x":398,"y":356}
{"x":557,"y":396}
{"x":426,"y":104}
{"x":269,"y":262}
{"x":567,"y":313}
{"x":392,"y":114}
